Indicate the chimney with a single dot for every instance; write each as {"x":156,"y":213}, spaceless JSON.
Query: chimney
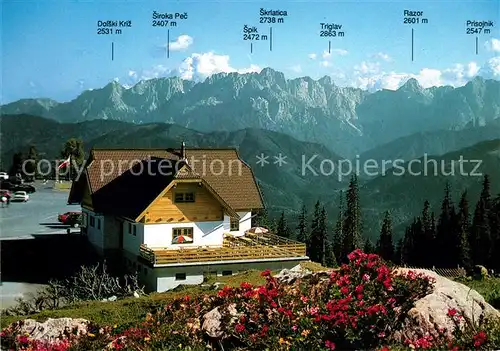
{"x":183,"y":151}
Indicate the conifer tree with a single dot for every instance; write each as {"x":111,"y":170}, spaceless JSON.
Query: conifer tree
{"x":322,"y":236}
{"x":481,"y":242}
{"x":444,"y":230}
{"x":495,"y":225}
{"x":426,"y":242}
{"x":412,"y":234}
{"x":398,"y":252}
{"x":433,"y":232}
{"x":330,"y":260}
{"x":385,"y":245}
{"x":17,"y":163}
{"x":302,"y":234}
{"x":368,"y":246}
{"x":338,"y":234}
{"x":315,"y":238}
{"x":282,"y":228}
{"x":261,"y":219}
{"x":463,"y":230}
{"x":352,"y":220}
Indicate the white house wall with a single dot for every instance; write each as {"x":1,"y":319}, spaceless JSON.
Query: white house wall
{"x":112,"y":229}
{"x":94,"y":235}
{"x":204,"y":234}
{"x":131,"y":242}
{"x":207,"y":233}
{"x":163,"y":279}
{"x":245,"y":223}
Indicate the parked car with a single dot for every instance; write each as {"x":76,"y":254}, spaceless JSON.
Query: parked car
{"x":24,"y":187}
{"x":4,"y":175}
{"x":64,"y":216}
{"x":6,"y":185}
{"x":20,"y":196}
{"x":74,"y":220}
{"x":11,"y":184}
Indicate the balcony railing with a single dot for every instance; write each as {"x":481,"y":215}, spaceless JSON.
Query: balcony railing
{"x":266,"y":246}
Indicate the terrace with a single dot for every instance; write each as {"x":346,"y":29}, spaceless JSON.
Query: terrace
{"x":250,"y":247}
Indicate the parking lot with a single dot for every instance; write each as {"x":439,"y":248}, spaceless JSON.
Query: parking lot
{"x":37,"y":216}
{"x":28,"y":264}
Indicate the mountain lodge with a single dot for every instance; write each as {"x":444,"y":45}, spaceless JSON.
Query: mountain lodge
{"x":177,"y":215}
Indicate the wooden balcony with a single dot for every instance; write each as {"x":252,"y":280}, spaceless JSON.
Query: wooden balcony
{"x":248,"y":247}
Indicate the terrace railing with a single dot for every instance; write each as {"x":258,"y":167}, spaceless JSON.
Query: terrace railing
{"x":237,"y":248}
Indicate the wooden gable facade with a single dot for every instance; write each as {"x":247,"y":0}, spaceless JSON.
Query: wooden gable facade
{"x":184,"y":202}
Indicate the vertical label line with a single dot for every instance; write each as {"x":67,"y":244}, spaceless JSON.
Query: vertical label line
{"x":412,"y":50}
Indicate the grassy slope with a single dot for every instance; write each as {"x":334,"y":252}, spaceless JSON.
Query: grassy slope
{"x":133,"y":309}
{"x":489,"y":288}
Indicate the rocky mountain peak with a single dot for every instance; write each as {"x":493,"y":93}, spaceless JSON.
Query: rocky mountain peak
{"x":411,"y":86}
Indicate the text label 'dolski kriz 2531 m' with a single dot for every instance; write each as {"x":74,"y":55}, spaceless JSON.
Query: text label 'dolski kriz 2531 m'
{"x":168,"y":19}
{"x":112,"y":27}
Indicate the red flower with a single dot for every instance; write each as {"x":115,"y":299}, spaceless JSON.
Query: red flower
{"x":385,"y":348}
{"x":266,"y":273}
{"x":226,"y":291}
{"x":239,"y":328}
{"x":246,"y":285}
{"x":452,"y":312}
{"x":480,"y":338}
{"x":330,"y":345}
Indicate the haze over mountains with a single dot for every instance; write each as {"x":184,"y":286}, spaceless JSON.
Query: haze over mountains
{"x":346,"y":120}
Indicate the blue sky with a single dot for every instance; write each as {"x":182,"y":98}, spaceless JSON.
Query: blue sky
{"x":51,"y":48}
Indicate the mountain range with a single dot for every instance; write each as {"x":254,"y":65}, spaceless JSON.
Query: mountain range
{"x":348,"y":121}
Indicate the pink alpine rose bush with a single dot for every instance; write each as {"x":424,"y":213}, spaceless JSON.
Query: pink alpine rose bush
{"x":359,"y":306}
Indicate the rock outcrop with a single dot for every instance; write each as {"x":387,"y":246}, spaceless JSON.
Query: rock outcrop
{"x":431,"y":312}
{"x":51,"y":329}
{"x":290,"y":276}
{"x":212,"y":321}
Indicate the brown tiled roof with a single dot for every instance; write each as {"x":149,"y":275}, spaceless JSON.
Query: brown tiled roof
{"x":121,"y":184}
{"x":77,"y":189}
{"x":108,"y":164}
{"x":135,"y":189}
{"x":228,"y":175}
{"x":186,"y":172}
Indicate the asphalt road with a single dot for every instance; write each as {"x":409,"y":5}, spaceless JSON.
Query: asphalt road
{"x":23,"y":220}
{"x":37,"y":216}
